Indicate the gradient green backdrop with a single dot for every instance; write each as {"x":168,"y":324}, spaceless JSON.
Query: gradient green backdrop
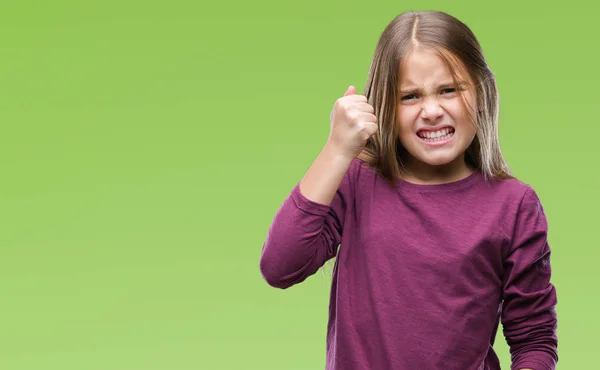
{"x":145,"y":147}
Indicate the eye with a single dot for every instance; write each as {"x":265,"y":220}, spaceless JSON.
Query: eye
{"x":408,"y":97}
{"x":449,"y":90}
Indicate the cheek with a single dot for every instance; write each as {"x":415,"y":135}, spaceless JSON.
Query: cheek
{"x":405,"y":119}
{"x":459,"y":113}
{"x":469,"y":108}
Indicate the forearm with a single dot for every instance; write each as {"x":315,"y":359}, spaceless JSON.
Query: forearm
{"x":306,"y":230}
{"x":532,"y":338}
{"x":323,"y":178}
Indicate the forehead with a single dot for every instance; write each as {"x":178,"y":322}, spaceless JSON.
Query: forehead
{"x":424,"y":67}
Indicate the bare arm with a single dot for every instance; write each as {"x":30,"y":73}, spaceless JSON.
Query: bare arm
{"x":323,"y":178}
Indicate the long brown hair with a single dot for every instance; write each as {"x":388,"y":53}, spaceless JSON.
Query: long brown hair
{"x":456,"y":44}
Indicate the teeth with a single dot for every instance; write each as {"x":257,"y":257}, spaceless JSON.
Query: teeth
{"x":436,"y":134}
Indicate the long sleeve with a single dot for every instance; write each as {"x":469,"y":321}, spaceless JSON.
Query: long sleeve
{"x":528,"y":314}
{"x":303,"y":236}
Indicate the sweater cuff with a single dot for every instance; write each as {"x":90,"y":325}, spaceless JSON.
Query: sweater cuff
{"x":536,"y":360}
{"x":307,"y":205}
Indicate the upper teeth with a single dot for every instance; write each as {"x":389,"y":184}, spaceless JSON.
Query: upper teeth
{"x":435,"y":134}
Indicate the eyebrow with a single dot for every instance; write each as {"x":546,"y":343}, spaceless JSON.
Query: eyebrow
{"x":441,"y":86}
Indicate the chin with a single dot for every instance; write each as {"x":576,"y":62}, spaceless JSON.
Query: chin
{"x":436,"y":160}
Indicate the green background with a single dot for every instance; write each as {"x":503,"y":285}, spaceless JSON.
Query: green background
{"x":145,"y":147}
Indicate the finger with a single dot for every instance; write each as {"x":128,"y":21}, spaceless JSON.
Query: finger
{"x":355,"y":98}
{"x":370,"y":128}
{"x":368,"y":117}
{"x":365,"y":107}
{"x":350,"y":91}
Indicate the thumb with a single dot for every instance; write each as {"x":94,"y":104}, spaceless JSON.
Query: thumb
{"x":351,"y":91}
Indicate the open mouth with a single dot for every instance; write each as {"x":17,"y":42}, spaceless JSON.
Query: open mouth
{"x":436,"y":136}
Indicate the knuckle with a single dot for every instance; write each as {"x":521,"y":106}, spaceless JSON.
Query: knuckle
{"x":344,"y":105}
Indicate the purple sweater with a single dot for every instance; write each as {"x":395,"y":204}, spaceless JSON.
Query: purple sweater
{"x":423,"y":273}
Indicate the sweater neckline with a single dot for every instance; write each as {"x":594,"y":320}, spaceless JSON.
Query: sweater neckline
{"x":472,"y":177}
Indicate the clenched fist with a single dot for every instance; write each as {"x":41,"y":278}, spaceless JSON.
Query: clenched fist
{"x":352,"y":123}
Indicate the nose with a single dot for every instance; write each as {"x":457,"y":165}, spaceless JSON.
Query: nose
{"x":431,"y":110}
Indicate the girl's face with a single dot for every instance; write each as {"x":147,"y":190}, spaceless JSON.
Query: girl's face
{"x":435,"y":127}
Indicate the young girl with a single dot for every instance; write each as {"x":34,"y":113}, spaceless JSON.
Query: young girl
{"x":438,"y":242}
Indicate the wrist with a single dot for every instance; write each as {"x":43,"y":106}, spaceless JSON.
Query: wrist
{"x":336,"y":154}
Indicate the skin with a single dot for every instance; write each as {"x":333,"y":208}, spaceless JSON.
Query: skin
{"x":429,"y":99}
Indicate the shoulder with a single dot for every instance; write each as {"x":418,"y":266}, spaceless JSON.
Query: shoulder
{"x":359,"y":169}
{"x":521,"y":201}
{"x":359,"y":165}
{"x":514,"y":191}
{"x":512,"y":200}
{"x":363,"y":177}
